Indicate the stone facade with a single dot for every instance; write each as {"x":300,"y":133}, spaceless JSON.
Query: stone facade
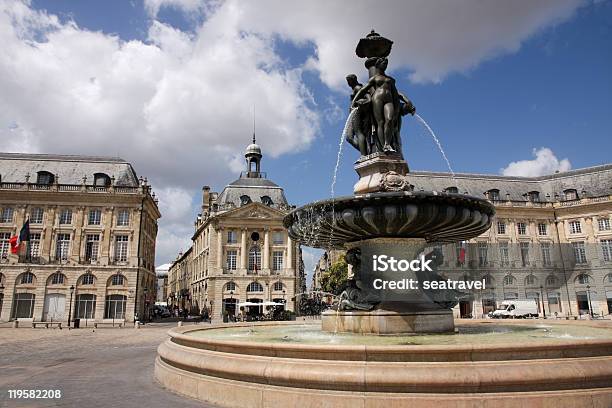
{"x":93,"y":226}
{"x":240,"y":251}
{"x":550,"y":240}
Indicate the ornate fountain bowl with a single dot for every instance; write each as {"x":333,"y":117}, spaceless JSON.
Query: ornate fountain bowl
{"x":430,"y":215}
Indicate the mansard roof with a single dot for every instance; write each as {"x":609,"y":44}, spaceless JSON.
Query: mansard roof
{"x":69,"y":169}
{"x":595,"y":181}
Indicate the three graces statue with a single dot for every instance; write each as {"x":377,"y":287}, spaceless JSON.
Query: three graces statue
{"x":376,"y":107}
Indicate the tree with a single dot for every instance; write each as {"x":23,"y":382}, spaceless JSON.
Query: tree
{"x":335,"y":279}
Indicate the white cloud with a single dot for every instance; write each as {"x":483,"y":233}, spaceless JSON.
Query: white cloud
{"x":432,"y":38}
{"x":544,"y":162}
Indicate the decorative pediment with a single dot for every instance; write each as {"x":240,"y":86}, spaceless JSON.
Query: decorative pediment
{"x":253,"y":211}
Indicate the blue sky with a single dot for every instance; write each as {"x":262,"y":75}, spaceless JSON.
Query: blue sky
{"x":542,"y":80}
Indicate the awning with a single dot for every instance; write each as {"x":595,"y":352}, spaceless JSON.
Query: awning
{"x":250,"y":304}
{"x":267,"y":303}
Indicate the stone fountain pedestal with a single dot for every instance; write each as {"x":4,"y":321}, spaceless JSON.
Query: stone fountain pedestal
{"x":398,"y":311}
{"x":388,"y":322}
{"x":381,"y":172}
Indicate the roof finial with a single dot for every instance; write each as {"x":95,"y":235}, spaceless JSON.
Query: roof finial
{"x":253,"y":123}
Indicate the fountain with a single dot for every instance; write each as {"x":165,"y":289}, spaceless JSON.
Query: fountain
{"x":386,"y":215}
{"x":389,"y":346}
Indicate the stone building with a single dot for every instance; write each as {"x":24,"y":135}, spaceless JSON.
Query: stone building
{"x":162,"y":283}
{"x":241,"y":255}
{"x":327,"y":259}
{"x":550,"y":240}
{"x":93,"y":226}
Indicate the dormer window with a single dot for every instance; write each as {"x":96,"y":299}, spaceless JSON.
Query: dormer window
{"x":101,"y":180}
{"x":570,"y":194}
{"x":245,"y":199}
{"x":534,"y":196}
{"x":453,"y":190}
{"x":44,"y":177}
{"x":493,"y":194}
{"x":266,"y":200}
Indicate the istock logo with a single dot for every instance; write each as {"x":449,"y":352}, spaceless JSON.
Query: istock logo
{"x":383,"y":263}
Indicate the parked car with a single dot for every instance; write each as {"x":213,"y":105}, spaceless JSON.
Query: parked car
{"x":516,"y":309}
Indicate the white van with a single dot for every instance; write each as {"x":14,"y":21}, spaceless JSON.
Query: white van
{"x":516,"y":309}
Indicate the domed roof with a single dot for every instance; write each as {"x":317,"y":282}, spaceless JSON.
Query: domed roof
{"x":253,"y":148}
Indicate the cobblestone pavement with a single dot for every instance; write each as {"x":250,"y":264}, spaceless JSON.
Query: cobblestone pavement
{"x":105,"y":368}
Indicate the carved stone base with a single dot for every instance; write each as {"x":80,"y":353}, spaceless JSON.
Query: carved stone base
{"x":388,"y":322}
{"x":381,"y":172}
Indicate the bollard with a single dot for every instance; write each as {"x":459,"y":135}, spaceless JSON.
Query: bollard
{"x":180,"y":323}
{"x":15,"y":324}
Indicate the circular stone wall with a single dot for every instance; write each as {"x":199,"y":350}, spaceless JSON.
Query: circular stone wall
{"x":576,"y":373}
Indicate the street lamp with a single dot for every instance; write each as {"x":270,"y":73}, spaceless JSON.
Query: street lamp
{"x":144,"y":292}
{"x":542,"y":299}
{"x":70,"y":305}
{"x":589,"y":299}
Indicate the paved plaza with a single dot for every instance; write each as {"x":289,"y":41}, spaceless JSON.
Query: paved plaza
{"x":105,"y":368}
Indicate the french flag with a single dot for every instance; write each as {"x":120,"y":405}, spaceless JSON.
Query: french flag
{"x":17,"y":241}
{"x":461,"y":258}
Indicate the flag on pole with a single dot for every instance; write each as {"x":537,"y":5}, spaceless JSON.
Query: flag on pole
{"x":461,"y":257}
{"x":21,"y":241}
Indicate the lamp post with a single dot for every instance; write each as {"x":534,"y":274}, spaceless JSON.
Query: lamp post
{"x":70,"y":305}
{"x":284,"y":300}
{"x":144,"y":292}
{"x":542,"y":299}
{"x":1,"y":295}
{"x":589,"y":299}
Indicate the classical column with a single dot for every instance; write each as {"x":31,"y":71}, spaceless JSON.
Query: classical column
{"x":243,"y":249}
{"x":266,"y":250}
{"x":219,"y":247}
{"x":289,"y":253}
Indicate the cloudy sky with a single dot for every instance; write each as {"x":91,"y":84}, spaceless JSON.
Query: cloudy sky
{"x":510,"y":87}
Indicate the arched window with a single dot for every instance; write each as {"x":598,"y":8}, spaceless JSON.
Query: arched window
{"x":608,"y":278}
{"x":230,"y":286}
{"x":101,"y":180}
{"x":117,"y":280}
{"x":245,"y":199}
{"x":583,"y":279}
{"x":509,"y":280}
{"x":44,"y":177}
{"x":87,"y":279}
{"x":453,"y":189}
{"x":488,"y":279}
{"x":254,"y":287}
{"x":530,"y":280}
{"x":267,"y":201}
{"x":57,"y":278}
{"x":551,"y":280}
{"x":254,"y":258}
{"x":27,"y":278}
{"x":278,"y":286}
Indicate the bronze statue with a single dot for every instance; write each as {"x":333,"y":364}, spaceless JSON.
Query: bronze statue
{"x":385,"y":104}
{"x":359,"y":132}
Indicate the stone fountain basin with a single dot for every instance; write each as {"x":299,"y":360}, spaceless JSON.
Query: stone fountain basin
{"x":569,"y":373}
{"x":431,"y":215}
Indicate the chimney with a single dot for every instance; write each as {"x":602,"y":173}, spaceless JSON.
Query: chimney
{"x":205,"y":199}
